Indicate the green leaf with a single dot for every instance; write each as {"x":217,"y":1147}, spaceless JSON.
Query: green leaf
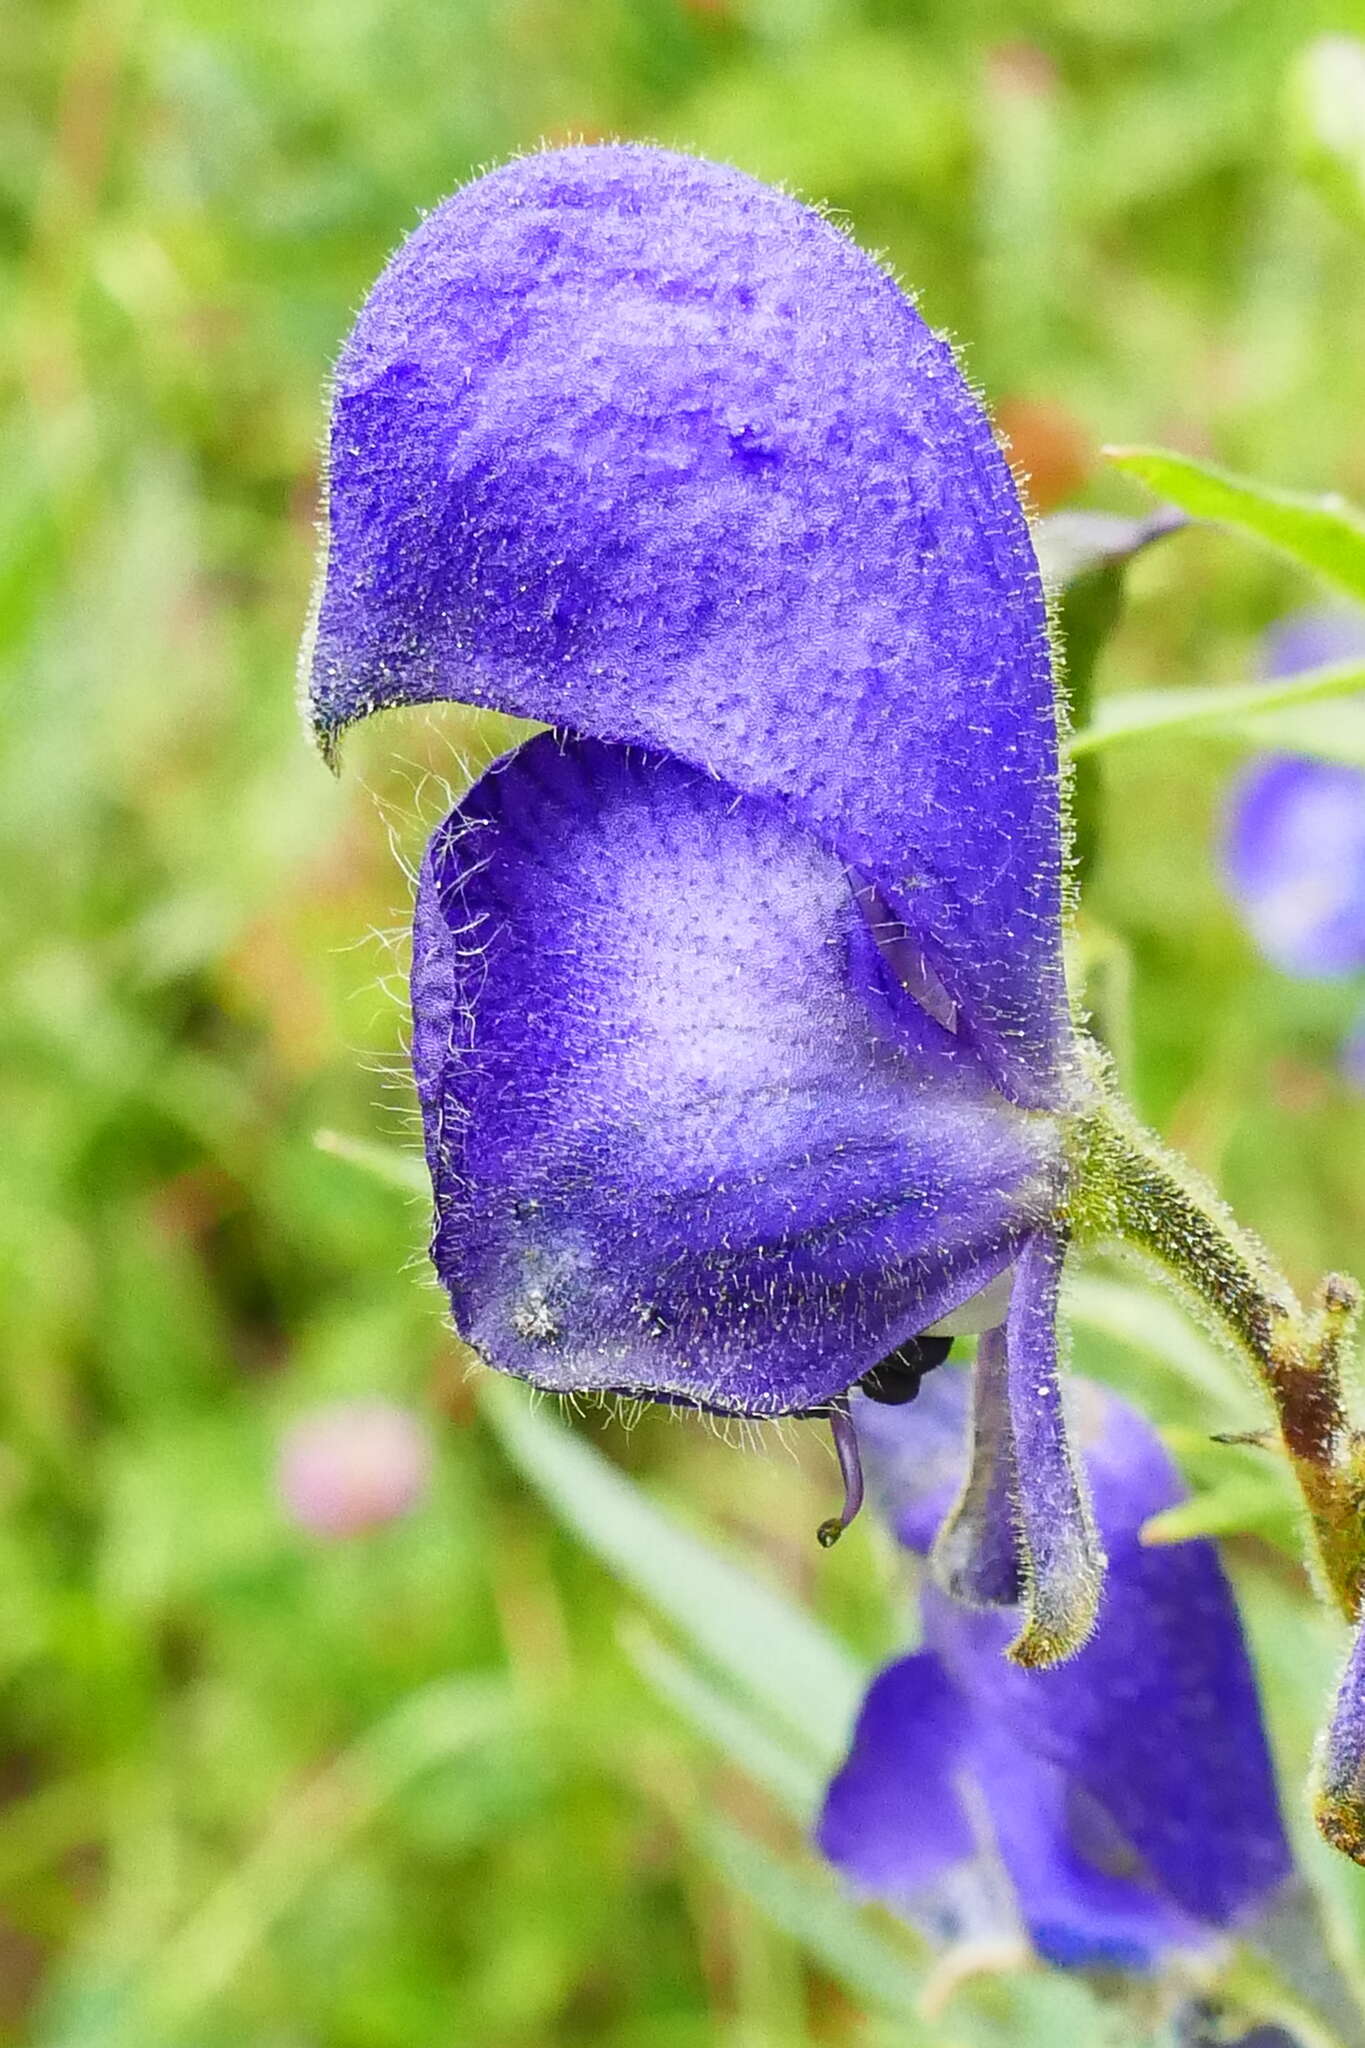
{"x":1004,"y":2003}
{"x":770,"y":1649}
{"x":1327,"y":121}
{"x":203,"y":1956}
{"x":397,"y":1169}
{"x":1323,"y":534}
{"x":1326,"y":731}
{"x":1238,"y":1506}
{"x":1236,"y":1488}
{"x":1135,"y":714}
{"x":794,"y":1782}
{"x":1084,"y":557}
{"x":811,"y":1909}
{"x":1147,"y":1322}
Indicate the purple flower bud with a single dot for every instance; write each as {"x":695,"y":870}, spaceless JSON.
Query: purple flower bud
{"x":1340,"y":1791}
{"x":353,"y":1465}
{"x":1340,"y":1799}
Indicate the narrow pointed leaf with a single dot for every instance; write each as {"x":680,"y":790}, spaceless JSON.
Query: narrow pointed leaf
{"x":773,"y":1652}
{"x":1239,"y":1504}
{"x":787,"y":1773}
{"x":1071,"y":546}
{"x":1326,"y":731}
{"x":1139,"y":714}
{"x":1324,"y":534}
{"x":387,"y":1163}
{"x":1084,"y":558}
{"x":808,"y":1907}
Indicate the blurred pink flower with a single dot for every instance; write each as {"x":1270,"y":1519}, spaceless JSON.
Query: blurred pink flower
{"x":1353,"y":1055}
{"x":348,"y":1466}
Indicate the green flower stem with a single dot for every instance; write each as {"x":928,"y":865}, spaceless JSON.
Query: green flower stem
{"x":1130,"y":1191}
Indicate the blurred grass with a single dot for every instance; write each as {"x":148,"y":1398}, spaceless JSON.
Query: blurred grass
{"x":1104,"y":200}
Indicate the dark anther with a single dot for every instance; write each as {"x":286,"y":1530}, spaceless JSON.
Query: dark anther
{"x":897,"y":1379}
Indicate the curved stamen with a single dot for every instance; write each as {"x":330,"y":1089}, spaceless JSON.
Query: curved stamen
{"x":850,"y":1465}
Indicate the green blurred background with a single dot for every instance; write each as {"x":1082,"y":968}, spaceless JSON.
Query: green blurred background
{"x":223,"y":1815}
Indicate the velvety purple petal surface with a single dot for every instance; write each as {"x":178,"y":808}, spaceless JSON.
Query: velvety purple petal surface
{"x":894,"y":1820}
{"x":935,"y":1805}
{"x":633,"y":444}
{"x":688,"y":1136}
{"x":1083,"y":1895}
{"x":1294,"y":856}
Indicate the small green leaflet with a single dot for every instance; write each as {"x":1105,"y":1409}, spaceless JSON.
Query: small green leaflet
{"x":1133,"y":714}
{"x":1323,"y":534}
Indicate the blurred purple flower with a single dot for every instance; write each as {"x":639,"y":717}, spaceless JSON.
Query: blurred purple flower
{"x":1312,"y":638}
{"x":1294,"y":848}
{"x":739,"y":1019}
{"x":351,"y":1465}
{"x":1119,"y":1806}
{"x":1295,"y":855}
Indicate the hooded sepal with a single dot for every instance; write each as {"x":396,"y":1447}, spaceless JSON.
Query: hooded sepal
{"x":630,"y":443}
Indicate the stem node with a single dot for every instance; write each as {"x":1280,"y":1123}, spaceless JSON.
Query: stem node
{"x":1129,"y":1191}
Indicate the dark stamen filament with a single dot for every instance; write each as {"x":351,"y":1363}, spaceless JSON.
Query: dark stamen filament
{"x":851,"y":1466}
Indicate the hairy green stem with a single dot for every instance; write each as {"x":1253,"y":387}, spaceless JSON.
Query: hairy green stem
{"x":1128,"y":1190}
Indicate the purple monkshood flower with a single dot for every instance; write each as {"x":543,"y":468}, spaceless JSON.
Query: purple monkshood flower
{"x":740,"y":1026}
{"x":1294,"y":848}
{"x":1117,"y":1808}
{"x":350,"y":1466}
